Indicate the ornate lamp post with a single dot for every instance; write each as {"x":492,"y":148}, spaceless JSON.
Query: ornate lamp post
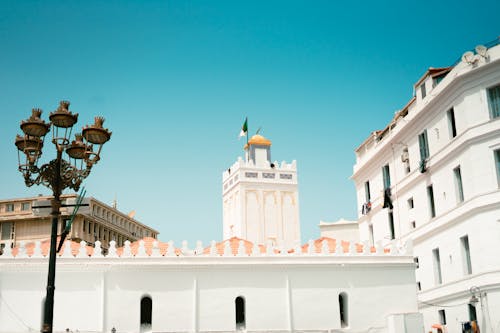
{"x":58,"y":174}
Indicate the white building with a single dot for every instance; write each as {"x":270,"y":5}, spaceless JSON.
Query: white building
{"x":436,"y":169}
{"x":233,"y":285}
{"x":260,"y":198}
{"x":341,"y":229}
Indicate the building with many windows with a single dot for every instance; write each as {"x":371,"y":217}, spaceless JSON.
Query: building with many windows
{"x":29,"y":219}
{"x":433,"y":176}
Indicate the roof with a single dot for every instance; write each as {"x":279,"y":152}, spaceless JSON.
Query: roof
{"x":433,"y":72}
{"x":258,"y":139}
{"x":339,"y":222}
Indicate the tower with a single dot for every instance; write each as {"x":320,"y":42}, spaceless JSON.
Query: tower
{"x":260,"y":198}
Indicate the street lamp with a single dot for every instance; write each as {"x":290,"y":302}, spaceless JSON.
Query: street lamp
{"x":485,"y":315}
{"x":58,"y":174}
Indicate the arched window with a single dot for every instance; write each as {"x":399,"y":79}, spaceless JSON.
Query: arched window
{"x":343,"y":310}
{"x":146,"y":313}
{"x":239,"y":304}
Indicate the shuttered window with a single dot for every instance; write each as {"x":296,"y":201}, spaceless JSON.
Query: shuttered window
{"x":494,"y":101}
{"x":424,"y":145}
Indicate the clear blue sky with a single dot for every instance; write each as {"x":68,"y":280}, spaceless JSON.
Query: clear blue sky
{"x":175,"y":80}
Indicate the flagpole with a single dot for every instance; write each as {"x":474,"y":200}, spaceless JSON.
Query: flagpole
{"x":248,"y":148}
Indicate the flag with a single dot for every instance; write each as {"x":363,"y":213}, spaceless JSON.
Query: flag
{"x":244,"y":128}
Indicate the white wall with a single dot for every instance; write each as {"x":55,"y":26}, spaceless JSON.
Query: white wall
{"x":197,"y":293}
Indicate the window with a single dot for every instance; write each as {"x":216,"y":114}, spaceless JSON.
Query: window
{"x":472,"y":312}
{"x":410,"y":203}
{"x":146,"y":313}
{"x":413,"y":224}
{"x":7,"y":231}
{"x":464,"y":242}
{"x":25,"y":206}
{"x":367,"y":191}
{"x":372,"y":239}
{"x":419,"y":286}
{"x":458,"y":184}
{"x":343,"y":310}
{"x":84,"y":225}
{"x":386,"y":176}
{"x":442,"y":317}
{"x":405,"y":158}
{"x":497,"y":163}
{"x":438,"y":79}
{"x":430,"y":197}
{"x":415,"y":260}
{"x":494,"y":101}
{"x":391,"y":225}
{"x":423,"y":145}
{"x":438,"y":279}
{"x":9,"y":207}
{"x":451,"y":123}
{"x":239,"y":304}
{"x":422,"y":90}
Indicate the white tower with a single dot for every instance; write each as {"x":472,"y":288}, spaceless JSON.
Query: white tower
{"x":260,"y":198}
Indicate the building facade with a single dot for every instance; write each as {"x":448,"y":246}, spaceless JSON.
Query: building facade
{"x":21,"y":220}
{"x":229,"y":286}
{"x":260,"y":198}
{"x":433,"y":176}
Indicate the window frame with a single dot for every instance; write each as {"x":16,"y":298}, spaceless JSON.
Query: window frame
{"x":496,"y":158}
{"x":386,"y":176}
{"x":442,"y":316}
{"x":392,"y":229}
{"x":494,"y":107}
{"x":436,"y":259}
{"x":459,"y":186}
{"x":466,"y":259}
{"x":367,"y":191}
{"x":411,"y":203}
{"x":423,"y":144}
{"x":423,"y":90}
{"x":431,"y":201}
{"x":10,"y":232}
{"x":452,"y":124}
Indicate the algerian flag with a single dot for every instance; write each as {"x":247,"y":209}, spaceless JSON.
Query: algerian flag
{"x":244,"y":128}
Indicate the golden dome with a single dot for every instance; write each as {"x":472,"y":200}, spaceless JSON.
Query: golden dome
{"x":258,"y":139}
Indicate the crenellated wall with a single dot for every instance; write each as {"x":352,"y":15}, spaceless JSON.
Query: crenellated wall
{"x":195,"y":290}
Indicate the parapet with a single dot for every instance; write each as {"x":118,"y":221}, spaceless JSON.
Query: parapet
{"x":233,"y":247}
{"x":242,"y":164}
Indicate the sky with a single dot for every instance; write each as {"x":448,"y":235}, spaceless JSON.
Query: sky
{"x":176,"y":79}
